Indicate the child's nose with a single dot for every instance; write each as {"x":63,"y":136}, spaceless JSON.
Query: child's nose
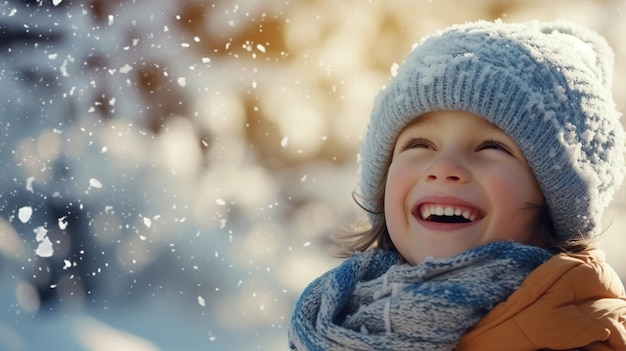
{"x":447,"y":168}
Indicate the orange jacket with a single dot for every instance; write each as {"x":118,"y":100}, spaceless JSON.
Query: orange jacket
{"x":573,"y":301}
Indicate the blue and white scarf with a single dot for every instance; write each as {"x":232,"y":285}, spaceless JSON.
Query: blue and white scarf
{"x":375,"y":301}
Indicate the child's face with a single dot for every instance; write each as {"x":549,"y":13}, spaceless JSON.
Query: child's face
{"x":457,"y":182}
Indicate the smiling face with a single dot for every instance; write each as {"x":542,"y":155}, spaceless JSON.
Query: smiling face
{"x":456,"y":182}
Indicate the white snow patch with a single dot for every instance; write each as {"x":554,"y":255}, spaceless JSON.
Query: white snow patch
{"x":25,"y":213}
{"x":394,"y":69}
{"x":63,"y":69}
{"x":125,"y":69}
{"x":147,"y":222}
{"x":45,"y":248}
{"x":29,"y":183}
{"x":95,"y":183}
{"x":40,"y":232}
{"x":62,"y":222}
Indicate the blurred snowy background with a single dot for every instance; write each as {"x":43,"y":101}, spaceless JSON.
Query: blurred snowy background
{"x":171,"y":169}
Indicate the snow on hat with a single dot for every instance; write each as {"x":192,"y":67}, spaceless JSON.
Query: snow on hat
{"x":547,"y":85}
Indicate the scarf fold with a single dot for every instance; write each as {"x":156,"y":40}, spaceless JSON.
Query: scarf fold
{"x":375,"y":301}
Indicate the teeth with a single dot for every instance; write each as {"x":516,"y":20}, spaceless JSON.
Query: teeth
{"x":440,"y":210}
{"x":426,"y":212}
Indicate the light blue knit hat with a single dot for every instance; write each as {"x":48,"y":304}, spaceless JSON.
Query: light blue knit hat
{"x":547,"y":85}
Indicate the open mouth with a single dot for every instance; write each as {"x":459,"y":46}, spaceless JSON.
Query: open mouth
{"x":448,"y":213}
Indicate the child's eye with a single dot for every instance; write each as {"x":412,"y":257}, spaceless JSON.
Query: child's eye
{"x":417,"y":143}
{"x":494,"y":145}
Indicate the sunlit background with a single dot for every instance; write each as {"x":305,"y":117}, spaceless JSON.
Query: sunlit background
{"x":171,"y":170}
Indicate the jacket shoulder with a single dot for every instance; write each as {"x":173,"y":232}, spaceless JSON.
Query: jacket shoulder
{"x":590,"y":276}
{"x":572,"y":300}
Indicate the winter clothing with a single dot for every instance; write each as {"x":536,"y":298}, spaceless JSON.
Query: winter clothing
{"x":573,"y":301}
{"x":546,"y":85}
{"x":375,"y":301}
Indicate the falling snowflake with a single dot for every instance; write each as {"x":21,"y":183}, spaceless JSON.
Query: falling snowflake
{"x":95,"y":183}
{"x":25,"y":213}
{"x":62,"y":222}
{"x":44,"y":249}
{"x":125,"y":69}
{"x":29,"y":184}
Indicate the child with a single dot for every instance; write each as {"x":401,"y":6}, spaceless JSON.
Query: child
{"x":486,"y":167}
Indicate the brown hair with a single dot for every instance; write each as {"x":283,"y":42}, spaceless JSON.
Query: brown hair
{"x":361,"y":235}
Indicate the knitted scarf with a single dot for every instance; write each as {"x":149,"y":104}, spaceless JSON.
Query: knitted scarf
{"x":375,"y":301}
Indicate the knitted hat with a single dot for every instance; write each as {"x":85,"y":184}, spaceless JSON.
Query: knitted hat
{"x":547,"y":85}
